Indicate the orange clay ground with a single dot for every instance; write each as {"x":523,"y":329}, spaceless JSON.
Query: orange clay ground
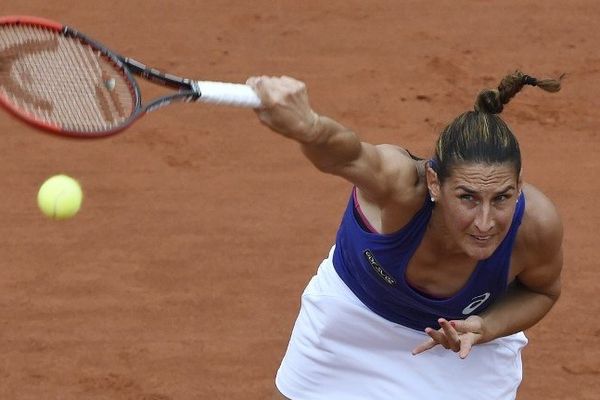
{"x":180,"y":278}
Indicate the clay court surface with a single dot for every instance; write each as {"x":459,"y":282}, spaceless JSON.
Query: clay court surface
{"x":180,"y":278}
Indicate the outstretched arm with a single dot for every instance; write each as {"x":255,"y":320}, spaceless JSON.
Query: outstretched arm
{"x":330,"y":146}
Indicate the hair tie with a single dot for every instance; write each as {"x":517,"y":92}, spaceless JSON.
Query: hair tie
{"x":529,"y":80}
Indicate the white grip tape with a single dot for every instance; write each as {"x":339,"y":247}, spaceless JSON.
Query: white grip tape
{"x":229,"y":94}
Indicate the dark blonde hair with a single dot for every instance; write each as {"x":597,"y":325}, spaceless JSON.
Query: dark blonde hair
{"x":481,"y":136}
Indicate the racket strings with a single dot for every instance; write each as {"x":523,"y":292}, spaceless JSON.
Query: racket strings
{"x":61,"y":81}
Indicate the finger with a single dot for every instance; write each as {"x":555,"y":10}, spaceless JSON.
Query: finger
{"x":465,"y":349}
{"x":251,"y":81}
{"x":288,"y":79}
{"x":263,"y":87}
{"x":438,"y":336}
{"x":256,"y":81}
{"x":451,"y":334}
{"x":426,"y":345}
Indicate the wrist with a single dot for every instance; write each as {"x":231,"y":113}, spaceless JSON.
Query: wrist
{"x":313,"y":129}
{"x":488,"y":332}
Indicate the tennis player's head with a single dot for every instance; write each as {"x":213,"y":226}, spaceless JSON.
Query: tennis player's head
{"x":475,"y":178}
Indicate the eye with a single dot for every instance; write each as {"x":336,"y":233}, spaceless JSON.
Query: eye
{"x":467,"y":197}
{"x":501,"y":198}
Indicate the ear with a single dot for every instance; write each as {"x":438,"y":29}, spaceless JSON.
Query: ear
{"x":433,"y":183}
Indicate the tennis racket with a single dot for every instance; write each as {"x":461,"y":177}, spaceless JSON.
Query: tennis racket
{"x":60,"y":80}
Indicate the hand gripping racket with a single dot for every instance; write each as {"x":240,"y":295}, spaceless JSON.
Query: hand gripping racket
{"x":59,"y":80}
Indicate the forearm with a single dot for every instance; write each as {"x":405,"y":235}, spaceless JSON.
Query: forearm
{"x":518,"y":310}
{"x":330,"y":145}
{"x":285,"y":109}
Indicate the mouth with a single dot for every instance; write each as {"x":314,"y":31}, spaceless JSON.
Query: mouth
{"x":483,"y":239}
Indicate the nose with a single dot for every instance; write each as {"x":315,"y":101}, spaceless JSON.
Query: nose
{"x":484,"y":221}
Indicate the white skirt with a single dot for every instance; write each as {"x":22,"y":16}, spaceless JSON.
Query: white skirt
{"x":341,"y":350}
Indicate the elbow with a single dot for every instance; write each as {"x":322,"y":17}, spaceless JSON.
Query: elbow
{"x":555,"y":295}
{"x":555,"y":290}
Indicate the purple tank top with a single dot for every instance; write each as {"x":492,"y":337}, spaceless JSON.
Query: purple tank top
{"x":373,"y":266}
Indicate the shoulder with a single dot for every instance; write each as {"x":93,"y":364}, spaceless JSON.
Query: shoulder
{"x":541,"y":219}
{"x":399,"y":171}
{"x":395,"y":157}
{"x":400,"y":189}
{"x":400,"y":163}
{"x":541,"y":232}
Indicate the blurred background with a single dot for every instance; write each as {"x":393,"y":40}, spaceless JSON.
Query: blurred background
{"x":181,"y":276}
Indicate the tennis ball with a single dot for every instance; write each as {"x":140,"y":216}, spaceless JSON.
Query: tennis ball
{"x":60,"y":197}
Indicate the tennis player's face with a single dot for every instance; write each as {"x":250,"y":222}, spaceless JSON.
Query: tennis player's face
{"x":478,"y":202}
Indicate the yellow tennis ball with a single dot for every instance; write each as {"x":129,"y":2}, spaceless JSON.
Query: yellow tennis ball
{"x":60,"y":197}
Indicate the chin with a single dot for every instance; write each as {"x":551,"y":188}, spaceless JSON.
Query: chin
{"x":479,"y":254}
{"x":478,"y":250}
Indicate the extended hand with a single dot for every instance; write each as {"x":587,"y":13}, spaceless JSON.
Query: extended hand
{"x":457,"y":335}
{"x":285,"y":107}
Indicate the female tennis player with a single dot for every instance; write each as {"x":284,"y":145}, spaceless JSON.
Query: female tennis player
{"x":438,"y":265}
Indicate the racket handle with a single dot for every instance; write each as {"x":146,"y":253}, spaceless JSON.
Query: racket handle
{"x":229,"y":94}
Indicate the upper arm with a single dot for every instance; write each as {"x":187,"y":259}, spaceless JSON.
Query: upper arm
{"x":378,"y":171}
{"x":543,"y":246}
{"x":381,"y":171}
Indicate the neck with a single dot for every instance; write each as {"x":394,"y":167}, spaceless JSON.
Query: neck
{"x":439,"y":240}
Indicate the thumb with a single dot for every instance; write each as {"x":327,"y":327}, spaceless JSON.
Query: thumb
{"x":465,"y":348}
{"x":467,"y":325}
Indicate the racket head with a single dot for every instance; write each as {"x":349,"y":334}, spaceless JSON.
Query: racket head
{"x":59,"y":80}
